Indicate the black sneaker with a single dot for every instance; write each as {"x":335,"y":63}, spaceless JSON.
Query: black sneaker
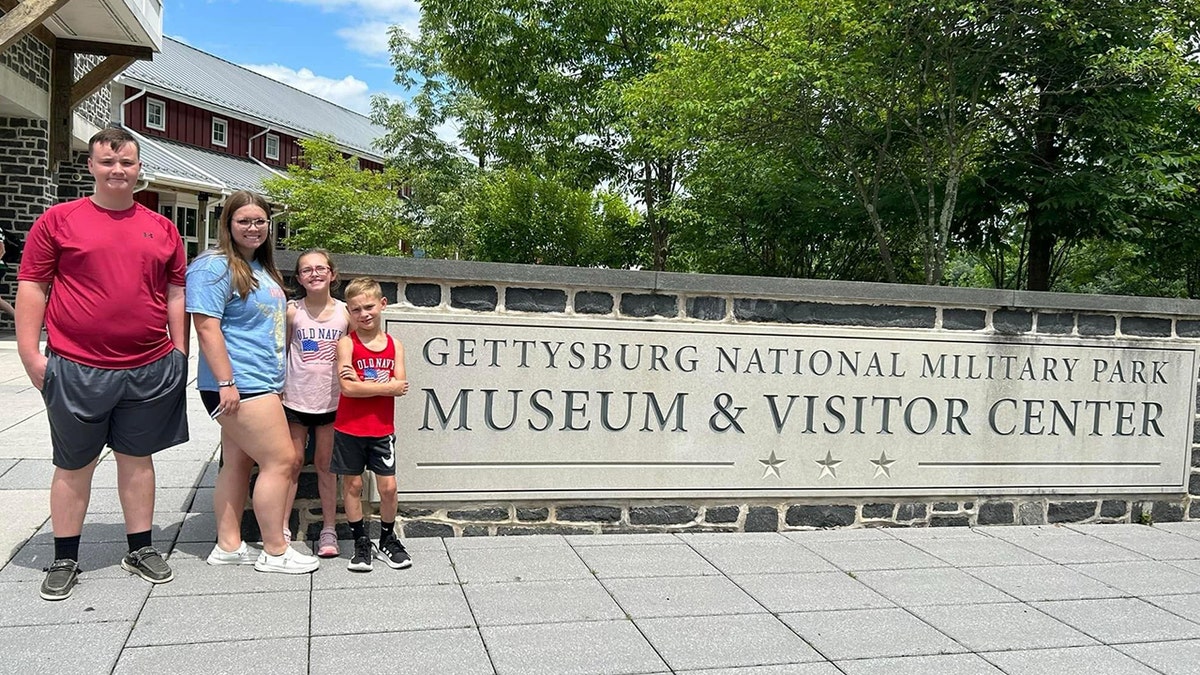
{"x":148,"y":564}
{"x":392,"y":552}
{"x":361,"y":560}
{"x":60,"y":579}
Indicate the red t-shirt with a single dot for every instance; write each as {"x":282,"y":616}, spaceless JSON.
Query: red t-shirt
{"x":374,"y":416}
{"x":109,"y":272}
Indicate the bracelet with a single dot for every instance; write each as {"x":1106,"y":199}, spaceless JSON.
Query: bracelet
{"x":225,"y":383}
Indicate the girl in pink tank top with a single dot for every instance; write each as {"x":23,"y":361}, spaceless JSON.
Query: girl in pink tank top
{"x":315,"y":323}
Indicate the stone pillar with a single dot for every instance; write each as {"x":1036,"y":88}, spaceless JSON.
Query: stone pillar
{"x":26,"y":188}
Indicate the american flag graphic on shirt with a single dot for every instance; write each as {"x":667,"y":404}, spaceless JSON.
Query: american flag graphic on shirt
{"x":376,"y":375}
{"x":319,"y":351}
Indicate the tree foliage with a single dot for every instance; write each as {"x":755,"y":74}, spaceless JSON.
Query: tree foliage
{"x":333,"y":204}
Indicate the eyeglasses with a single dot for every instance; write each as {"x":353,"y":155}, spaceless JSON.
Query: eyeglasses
{"x":310,"y":271}
{"x":255,"y":223}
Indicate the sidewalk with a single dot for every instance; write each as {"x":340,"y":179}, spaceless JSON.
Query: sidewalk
{"x":1121,"y":599}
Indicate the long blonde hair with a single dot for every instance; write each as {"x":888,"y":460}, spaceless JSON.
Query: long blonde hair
{"x":239,"y":270}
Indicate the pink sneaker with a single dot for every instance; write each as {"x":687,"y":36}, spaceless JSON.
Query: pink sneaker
{"x":327,"y":544}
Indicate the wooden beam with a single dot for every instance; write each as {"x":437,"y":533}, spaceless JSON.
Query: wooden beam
{"x":24,"y":18}
{"x":100,"y":74}
{"x":62,"y":78}
{"x":106,"y":48}
{"x":40,"y":32}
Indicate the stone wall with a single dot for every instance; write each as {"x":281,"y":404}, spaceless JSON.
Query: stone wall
{"x":496,"y":289}
{"x":29,"y":58}
{"x":95,"y":108}
{"x":26,"y":189}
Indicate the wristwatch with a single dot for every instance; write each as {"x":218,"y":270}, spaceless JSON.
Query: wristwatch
{"x":226,"y":383}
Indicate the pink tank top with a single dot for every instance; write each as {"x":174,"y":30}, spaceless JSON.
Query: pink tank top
{"x":311,"y":384}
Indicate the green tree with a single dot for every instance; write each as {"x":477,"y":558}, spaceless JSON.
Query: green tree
{"x":1092,"y":136}
{"x":333,"y":204}
{"x":514,"y":215}
{"x":544,"y":79}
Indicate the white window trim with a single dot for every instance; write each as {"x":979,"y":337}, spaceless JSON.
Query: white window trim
{"x":267,"y":146}
{"x":163,"y":106}
{"x":224,"y":142}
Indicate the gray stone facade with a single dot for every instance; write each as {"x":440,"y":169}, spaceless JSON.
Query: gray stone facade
{"x":29,"y":58}
{"x":97,"y":107}
{"x":495,"y":289}
{"x":26,"y":187}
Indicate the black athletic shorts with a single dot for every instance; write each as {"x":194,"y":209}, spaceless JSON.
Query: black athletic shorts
{"x":352,"y":454}
{"x":134,"y":411}
{"x":307,"y":419}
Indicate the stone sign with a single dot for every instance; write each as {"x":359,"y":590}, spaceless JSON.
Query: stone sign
{"x":554,"y":407}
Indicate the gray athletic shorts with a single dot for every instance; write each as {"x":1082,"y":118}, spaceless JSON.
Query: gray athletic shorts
{"x":352,"y":454}
{"x":137,"y":411}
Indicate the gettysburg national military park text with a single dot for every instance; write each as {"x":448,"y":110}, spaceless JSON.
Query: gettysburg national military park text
{"x":981,"y":388}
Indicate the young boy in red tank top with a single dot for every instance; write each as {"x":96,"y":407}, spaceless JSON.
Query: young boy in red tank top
{"x":371,"y":373}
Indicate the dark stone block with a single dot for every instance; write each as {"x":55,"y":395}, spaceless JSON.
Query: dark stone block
{"x":589,"y":302}
{"x":423,"y":295}
{"x":642,"y":305}
{"x":912,"y":512}
{"x":878,"y":510}
{"x":662,"y":515}
{"x":532,"y":515}
{"x":421,"y":528}
{"x":535,"y":300}
{"x":949,"y":521}
{"x":707,"y":309}
{"x":1194,"y":484}
{"x":1144,"y":326}
{"x":516,"y":530}
{"x":829,"y":314}
{"x":996,"y":513}
{"x":475,"y":531}
{"x":967,"y":506}
{"x":1097,"y":324}
{"x":488,"y":513}
{"x":722,"y":514}
{"x":588,"y":514}
{"x":1071,"y":512}
{"x":763,"y":311}
{"x":409,"y":513}
{"x":306,"y":486}
{"x":945,"y":506}
{"x":820,"y":515}
{"x":1166,"y":512}
{"x":474,"y":298}
{"x":1113,"y":508}
{"x":762,"y":519}
{"x":390,"y":290}
{"x":1186,"y":328}
{"x":1011,"y":322}
{"x":1194,"y":510}
{"x":964,"y":319}
{"x":1056,"y":324}
{"x":1196,"y":456}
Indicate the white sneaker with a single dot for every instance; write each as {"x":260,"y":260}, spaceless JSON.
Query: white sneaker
{"x":290,"y":562}
{"x":244,"y":555}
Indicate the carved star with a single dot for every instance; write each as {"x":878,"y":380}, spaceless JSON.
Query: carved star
{"x":772,"y":463}
{"x":828,"y":466}
{"x":883,"y":465}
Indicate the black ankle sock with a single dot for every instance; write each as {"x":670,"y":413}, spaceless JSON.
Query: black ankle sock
{"x":386,"y":529}
{"x":138,"y":540}
{"x":66,"y":547}
{"x":357,"y":528}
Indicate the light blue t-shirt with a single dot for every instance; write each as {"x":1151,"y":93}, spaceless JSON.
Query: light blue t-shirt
{"x":254,"y":328}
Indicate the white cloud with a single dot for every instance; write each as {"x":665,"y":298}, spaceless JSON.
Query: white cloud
{"x":370,"y":34}
{"x":349,"y":92}
{"x":370,"y":38}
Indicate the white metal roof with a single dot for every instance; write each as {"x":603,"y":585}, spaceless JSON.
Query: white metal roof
{"x":215,"y":83}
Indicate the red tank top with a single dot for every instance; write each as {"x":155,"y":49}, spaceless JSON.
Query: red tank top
{"x":373,"y":416}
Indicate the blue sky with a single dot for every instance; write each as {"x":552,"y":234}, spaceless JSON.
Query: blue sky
{"x":335,"y":49}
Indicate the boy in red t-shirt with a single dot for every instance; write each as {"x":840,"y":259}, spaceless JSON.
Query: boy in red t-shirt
{"x":371,"y":373}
